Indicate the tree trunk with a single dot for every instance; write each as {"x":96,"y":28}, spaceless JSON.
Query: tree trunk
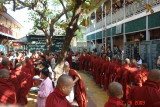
{"x":61,"y":60}
{"x":49,"y":41}
{"x":70,"y":30}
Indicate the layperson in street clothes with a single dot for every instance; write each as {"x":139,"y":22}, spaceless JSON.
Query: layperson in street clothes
{"x":115,"y":92}
{"x":7,"y":89}
{"x":58,"y":97}
{"x":149,"y":94}
{"x":78,"y":91}
{"x":45,"y":88}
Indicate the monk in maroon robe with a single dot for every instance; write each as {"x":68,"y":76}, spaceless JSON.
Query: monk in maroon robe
{"x":115,"y":92}
{"x":69,"y":59}
{"x":58,"y":97}
{"x":106,"y":74}
{"x":29,"y":72}
{"x":149,"y":94}
{"x":98,"y":72}
{"x":80,"y":92}
{"x":80,"y":61}
{"x":19,"y":79}
{"x":142,"y":76}
{"x":112,"y":70}
{"x":123,"y":78}
{"x":7,"y":89}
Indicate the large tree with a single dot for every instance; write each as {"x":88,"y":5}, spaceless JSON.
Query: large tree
{"x":47,"y":18}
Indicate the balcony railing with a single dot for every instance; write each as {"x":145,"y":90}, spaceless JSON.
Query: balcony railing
{"x":130,"y":10}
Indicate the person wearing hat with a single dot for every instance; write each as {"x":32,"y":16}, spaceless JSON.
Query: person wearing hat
{"x":45,"y":88}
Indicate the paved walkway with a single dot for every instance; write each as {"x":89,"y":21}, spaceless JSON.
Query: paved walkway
{"x":96,"y":95}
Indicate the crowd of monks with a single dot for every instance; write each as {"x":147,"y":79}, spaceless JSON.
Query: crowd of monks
{"x":15,"y":88}
{"x":140,"y":87}
{"x":106,"y":70}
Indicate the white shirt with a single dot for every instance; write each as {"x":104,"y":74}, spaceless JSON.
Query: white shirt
{"x":70,"y":97}
{"x":139,"y":62}
{"x":51,"y":72}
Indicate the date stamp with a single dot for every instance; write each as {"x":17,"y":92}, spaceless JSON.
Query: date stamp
{"x":136,"y":102}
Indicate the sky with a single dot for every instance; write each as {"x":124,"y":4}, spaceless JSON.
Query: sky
{"x":22,"y":17}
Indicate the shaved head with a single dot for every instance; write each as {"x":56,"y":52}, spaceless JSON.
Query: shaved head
{"x":65,"y":84}
{"x":5,"y":61}
{"x":4,"y":73}
{"x":115,"y":89}
{"x":133,"y":61}
{"x":64,"y":80}
{"x":127,"y":61}
{"x":27,"y":58}
{"x":154,"y":75}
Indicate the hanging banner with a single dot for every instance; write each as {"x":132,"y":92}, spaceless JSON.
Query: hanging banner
{"x":5,"y":30}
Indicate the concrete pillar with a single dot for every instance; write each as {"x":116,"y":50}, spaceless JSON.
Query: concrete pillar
{"x":105,"y":28}
{"x":95,"y":25}
{"x":102,"y":25}
{"x":111,"y":38}
{"x":147,"y":31}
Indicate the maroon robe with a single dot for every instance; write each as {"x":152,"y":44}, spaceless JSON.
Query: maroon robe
{"x":29,"y":72}
{"x":124,"y":80}
{"x":114,"y":102}
{"x":96,"y":68}
{"x":141,"y":77}
{"x":69,"y":59}
{"x":80,"y":62}
{"x":4,"y":67}
{"x":57,"y":99}
{"x":19,"y":79}
{"x":105,"y":69}
{"x":112,"y":71}
{"x":146,"y":96}
{"x":7,"y":92}
{"x":80,"y":92}
{"x":98,"y":71}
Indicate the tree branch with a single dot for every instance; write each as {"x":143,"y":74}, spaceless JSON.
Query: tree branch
{"x":58,"y":16}
{"x":32,"y":6}
{"x":64,"y":8}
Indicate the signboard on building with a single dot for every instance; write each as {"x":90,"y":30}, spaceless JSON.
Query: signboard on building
{"x":57,"y":43}
{"x":38,"y":43}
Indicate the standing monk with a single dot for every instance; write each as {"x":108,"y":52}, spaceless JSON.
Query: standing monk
{"x":78,"y":89}
{"x":149,"y":94}
{"x":58,"y":97}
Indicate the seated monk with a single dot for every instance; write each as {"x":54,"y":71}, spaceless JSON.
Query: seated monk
{"x":115,"y":92}
{"x":149,"y":94}
{"x":7,"y":89}
{"x":58,"y":97}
